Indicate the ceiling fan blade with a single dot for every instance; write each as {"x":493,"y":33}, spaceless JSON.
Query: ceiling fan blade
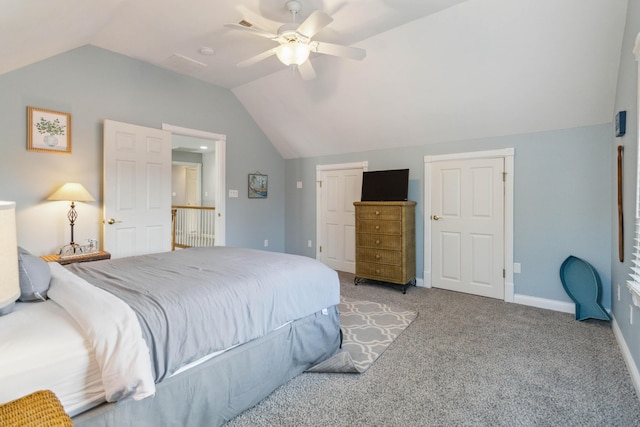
{"x":314,"y":23}
{"x":259,"y":57}
{"x":338,"y":50}
{"x":253,"y":30}
{"x":306,"y":70}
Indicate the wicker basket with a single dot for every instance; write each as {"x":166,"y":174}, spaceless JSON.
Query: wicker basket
{"x":39,"y":409}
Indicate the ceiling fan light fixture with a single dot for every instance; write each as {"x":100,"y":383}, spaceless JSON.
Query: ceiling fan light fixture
{"x":293,"y":53}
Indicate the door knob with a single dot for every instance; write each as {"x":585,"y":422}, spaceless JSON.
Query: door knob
{"x":435,"y":217}
{"x":112,"y":221}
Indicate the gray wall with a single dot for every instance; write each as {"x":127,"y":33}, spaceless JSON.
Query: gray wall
{"x":94,"y":84}
{"x":184,"y":156}
{"x":626,"y":99}
{"x":562,"y":187}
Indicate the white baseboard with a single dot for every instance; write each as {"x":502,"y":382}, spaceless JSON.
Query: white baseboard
{"x":426,"y":282}
{"x":626,"y":354}
{"x":509,"y":292}
{"x":549,"y":304}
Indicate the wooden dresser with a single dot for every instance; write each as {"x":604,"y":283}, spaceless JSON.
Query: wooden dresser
{"x":386,"y":242}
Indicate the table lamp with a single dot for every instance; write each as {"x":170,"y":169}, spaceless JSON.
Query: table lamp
{"x":10,"y":278}
{"x":73,"y":192}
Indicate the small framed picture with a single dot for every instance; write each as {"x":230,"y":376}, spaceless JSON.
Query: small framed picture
{"x":258,"y":186}
{"x":48,"y":131}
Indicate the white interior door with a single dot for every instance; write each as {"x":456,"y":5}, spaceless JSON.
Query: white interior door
{"x":339,"y":188}
{"x":137,"y":189}
{"x":467,"y":226}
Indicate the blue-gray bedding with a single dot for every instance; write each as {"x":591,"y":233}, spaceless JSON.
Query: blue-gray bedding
{"x":197,"y":301}
{"x":217,"y":390}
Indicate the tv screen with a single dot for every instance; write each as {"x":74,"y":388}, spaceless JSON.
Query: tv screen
{"x":385,"y":186}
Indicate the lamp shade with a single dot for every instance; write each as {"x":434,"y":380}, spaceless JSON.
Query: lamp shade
{"x":9,"y":279}
{"x":72,"y":192}
{"x":293,"y":53}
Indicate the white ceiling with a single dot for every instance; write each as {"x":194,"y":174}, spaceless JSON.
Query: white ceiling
{"x":435,"y":71}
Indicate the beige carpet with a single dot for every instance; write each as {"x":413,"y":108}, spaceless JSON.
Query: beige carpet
{"x":466,"y":361}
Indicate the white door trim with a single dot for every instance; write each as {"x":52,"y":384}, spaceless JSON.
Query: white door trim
{"x":508,"y":155}
{"x":322,"y":168}
{"x":221,"y":146}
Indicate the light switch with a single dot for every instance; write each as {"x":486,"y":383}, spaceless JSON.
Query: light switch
{"x":233,"y":193}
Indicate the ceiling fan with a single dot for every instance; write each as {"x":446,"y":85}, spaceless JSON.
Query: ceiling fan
{"x":295,"y":42}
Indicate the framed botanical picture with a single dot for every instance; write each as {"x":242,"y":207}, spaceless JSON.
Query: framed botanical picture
{"x":257,"y":186}
{"x":48,"y":131}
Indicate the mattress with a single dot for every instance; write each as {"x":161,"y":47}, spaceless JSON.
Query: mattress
{"x":38,"y":336}
{"x":43,"y":347}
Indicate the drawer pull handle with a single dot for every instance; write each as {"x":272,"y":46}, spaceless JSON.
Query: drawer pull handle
{"x":377,"y":212}
{"x":377,"y":242}
{"x":377,"y":256}
{"x":377,"y":227}
{"x":377,"y":271}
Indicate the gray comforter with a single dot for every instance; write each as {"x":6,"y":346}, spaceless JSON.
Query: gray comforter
{"x":197,"y":301}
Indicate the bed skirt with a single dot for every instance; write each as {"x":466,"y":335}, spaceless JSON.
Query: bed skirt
{"x":214,"y":392}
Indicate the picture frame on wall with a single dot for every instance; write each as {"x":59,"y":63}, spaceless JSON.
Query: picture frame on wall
{"x":48,"y":131}
{"x":258,"y":186}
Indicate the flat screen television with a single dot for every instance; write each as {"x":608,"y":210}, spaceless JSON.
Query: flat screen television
{"x":385,"y":186}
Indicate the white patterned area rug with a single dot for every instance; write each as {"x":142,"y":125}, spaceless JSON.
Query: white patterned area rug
{"x":368,"y":328}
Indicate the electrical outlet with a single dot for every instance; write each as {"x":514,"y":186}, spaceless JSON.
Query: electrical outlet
{"x":299,"y":184}
{"x":310,"y":243}
{"x":266,"y":243}
{"x":516,"y":268}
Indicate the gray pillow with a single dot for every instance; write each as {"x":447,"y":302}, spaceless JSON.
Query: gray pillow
{"x":35,"y":276}
{"x":7,"y":308}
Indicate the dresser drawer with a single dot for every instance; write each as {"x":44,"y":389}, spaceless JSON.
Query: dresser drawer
{"x":386,"y":273}
{"x":380,"y":256}
{"x":379,"y":227}
{"x":384,"y":213}
{"x":378,"y":241}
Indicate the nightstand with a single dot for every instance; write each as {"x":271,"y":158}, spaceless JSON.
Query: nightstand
{"x":96,"y":256}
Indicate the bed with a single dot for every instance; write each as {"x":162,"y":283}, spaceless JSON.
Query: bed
{"x":192,"y":337}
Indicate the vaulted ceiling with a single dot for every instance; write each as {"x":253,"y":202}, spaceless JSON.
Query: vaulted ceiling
{"x":435,"y":70}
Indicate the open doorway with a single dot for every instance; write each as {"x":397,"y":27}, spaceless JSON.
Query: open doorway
{"x":198,"y":183}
